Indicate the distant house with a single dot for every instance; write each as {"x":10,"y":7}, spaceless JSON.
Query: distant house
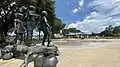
{"x":58,"y":35}
{"x":75,"y":35}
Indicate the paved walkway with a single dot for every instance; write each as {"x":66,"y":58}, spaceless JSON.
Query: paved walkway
{"x":82,"y":53}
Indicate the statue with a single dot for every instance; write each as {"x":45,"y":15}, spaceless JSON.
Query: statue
{"x":42,"y":56}
{"x":45,"y":27}
{"x":23,"y":10}
{"x":30,"y":22}
{"x":19,"y":28}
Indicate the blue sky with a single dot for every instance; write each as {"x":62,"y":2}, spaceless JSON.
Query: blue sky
{"x":88,"y":15}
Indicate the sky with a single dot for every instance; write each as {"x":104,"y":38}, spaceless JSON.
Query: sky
{"x":88,"y":15}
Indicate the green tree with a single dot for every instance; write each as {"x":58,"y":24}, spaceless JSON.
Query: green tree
{"x":116,"y":30}
{"x":57,"y":26}
{"x":6,"y":17}
{"x":79,"y":31}
{"x":73,"y":30}
{"x":108,"y":31}
{"x":25,"y":2}
{"x":70,"y":30}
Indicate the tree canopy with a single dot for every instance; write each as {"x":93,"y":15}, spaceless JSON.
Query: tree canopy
{"x":58,"y":25}
{"x":73,"y":30}
{"x":70,"y":30}
{"x":116,"y":30}
{"x":111,"y":31}
{"x":108,"y":31}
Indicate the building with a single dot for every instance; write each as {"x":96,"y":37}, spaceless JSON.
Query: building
{"x":75,"y":35}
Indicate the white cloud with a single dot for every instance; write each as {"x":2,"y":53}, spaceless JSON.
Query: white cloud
{"x":107,"y":7}
{"x":96,"y":26}
{"x":79,"y":7}
{"x":72,"y":25}
{"x":103,"y":15}
{"x":106,"y":12}
{"x":81,"y":3}
{"x":116,"y":1}
{"x":75,"y":10}
{"x":89,"y":26}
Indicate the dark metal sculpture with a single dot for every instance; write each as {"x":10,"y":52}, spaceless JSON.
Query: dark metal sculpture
{"x":30,"y":21}
{"x":19,"y":28}
{"x":25,"y":21}
{"x":45,"y":27}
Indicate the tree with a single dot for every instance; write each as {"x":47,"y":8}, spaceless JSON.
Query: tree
{"x":93,"y":34}
{"x":70,"y":30}
{"x":57,"y":26}
{"x":108,"y":31}
{"x":24,"y":2}
{"x":73,"y":30}
{"x":7,"y":10}
{"x":79,"y":31}
{"x":116,"y":30}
